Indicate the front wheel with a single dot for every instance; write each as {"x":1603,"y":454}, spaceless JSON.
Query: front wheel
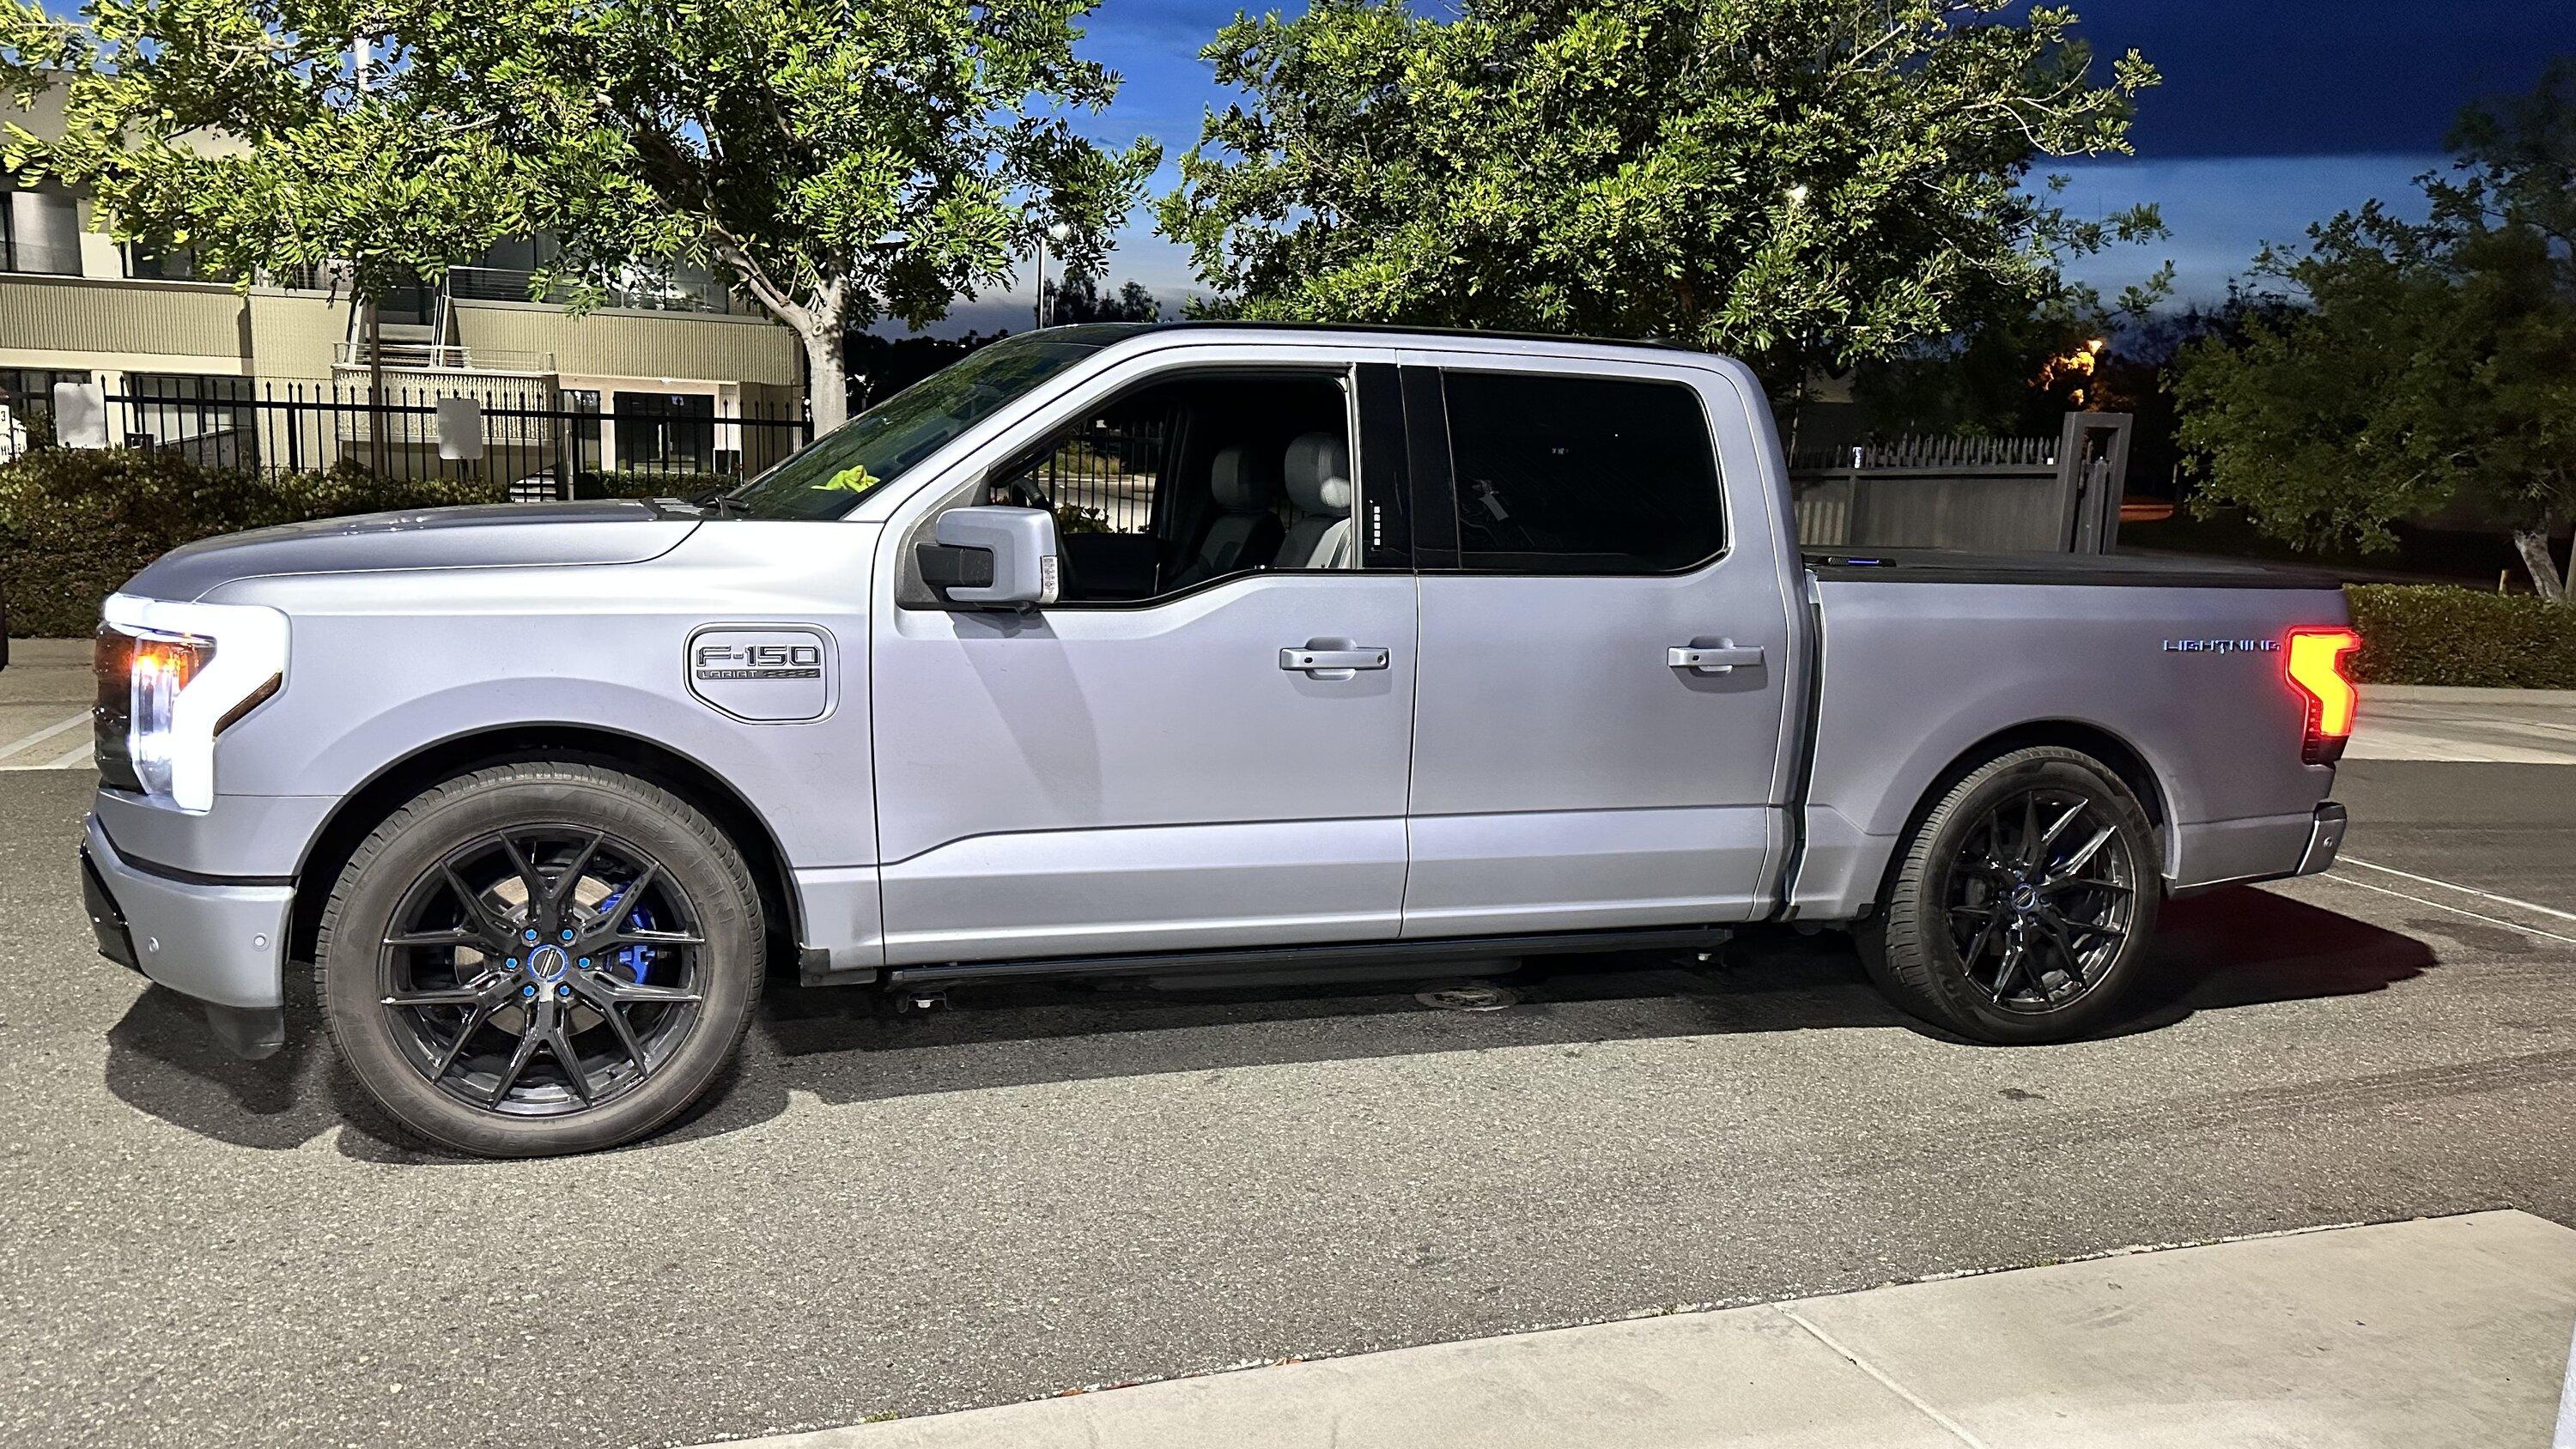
{"x":2023,"y":902}
{"x":540,"y":958}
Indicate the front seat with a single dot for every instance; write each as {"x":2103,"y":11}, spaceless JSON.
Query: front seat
{"x":1245,"y":533}
{"x":1319,"y":483}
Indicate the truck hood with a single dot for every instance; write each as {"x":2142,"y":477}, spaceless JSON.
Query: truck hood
{"x":502,"y":535}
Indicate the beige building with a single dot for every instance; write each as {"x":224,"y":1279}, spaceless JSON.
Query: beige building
{"x":681,"y":376}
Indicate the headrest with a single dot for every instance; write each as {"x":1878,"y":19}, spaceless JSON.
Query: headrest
{"x":1236,"y":484}
{"x":1319,"y":475}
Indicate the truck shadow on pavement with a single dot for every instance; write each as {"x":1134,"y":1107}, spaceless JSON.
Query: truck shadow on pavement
{"x":2228,"y":949}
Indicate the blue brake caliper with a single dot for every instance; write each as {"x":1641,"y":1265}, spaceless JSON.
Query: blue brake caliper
{"x":632,"y":962}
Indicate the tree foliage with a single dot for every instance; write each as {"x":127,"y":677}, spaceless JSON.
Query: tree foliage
{"x":1081,"y":299}
{"x":1806,"y":182}
{"x":2423,"y":360}
{"x":838,"y":162}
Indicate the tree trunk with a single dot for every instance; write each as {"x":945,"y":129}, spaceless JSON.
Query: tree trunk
{"x":817,"y":322}
{"x":827,"y":374}
{"x":2546,"y":581}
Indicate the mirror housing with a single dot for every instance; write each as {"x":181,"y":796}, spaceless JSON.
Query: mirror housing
{"x":993,"y":558}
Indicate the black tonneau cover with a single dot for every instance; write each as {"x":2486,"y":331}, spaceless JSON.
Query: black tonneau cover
{"x":2108,"y":570}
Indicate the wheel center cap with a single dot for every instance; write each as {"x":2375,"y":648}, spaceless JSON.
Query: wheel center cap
{"x":2024,"y":897}
{"x":548,"y":964}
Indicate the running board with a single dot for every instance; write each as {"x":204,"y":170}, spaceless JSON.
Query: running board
{"x":1330,"y":953}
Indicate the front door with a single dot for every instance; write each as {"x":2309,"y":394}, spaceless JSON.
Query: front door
{"x":1605,"y":640}
{"x":1205,"y":745}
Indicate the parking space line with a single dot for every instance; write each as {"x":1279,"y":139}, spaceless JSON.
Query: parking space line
{"x":2464,"y":890}
{"x":77,"y":755}
{"x":42,"y":735}
{"x":2454,"y":910}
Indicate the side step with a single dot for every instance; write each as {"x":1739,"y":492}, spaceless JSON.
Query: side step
{"x":1445,"y":948}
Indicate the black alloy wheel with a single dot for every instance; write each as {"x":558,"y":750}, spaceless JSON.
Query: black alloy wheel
{"x":542,"y":969}
{"x":2019,"y":907}
{"x":2040,"y":896}
{"x":543,"y":957}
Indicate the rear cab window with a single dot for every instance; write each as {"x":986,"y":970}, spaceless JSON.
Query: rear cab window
{"x":1564,"y":474}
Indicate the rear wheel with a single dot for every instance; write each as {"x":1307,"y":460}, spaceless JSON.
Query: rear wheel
{"x":2022,"y":903}
{"x":540,"y":958}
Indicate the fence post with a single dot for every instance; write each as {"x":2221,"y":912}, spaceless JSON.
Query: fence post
{"x":2092,"y":470}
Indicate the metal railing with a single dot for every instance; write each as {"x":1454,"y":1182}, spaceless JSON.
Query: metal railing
{"x":531,"y":441}
{"x":441,"y":357}
{"x":1103,"y":479}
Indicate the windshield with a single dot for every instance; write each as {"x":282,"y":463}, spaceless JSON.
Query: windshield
{"x":876,"y":447}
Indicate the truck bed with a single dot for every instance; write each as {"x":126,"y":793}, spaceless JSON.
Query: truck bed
{"x":2166,"y":668}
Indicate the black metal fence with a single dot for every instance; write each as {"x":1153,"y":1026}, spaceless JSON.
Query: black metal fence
{"x":1102,"y":479}
{"x":525,"y":436}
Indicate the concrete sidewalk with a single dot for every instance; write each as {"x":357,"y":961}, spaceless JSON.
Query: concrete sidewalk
{"x":2445,"y":1331}
{"x":2461,"y":725}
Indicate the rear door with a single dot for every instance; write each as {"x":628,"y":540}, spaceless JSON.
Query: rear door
{"x":1606,"y":646}
{"x":1217,"y":762}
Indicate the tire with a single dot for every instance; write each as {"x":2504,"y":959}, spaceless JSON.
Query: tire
{"x":633,"y":936}
{"x":1975,"y":936}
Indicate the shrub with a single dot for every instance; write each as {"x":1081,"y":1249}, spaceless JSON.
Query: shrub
{"x":76,"y":524}
{"x":2440,"y":634}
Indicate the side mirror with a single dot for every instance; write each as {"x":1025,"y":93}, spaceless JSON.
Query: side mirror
{"x":993,"y":558}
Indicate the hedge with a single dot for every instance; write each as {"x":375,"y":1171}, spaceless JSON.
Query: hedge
{"x":75,"y":524}
{"x":2439,"y":634}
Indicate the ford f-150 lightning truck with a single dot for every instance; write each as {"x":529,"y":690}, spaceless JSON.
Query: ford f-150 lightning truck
{"x":1163,"y":649}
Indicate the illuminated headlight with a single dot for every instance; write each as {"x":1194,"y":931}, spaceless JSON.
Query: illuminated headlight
{"x":171,"y":677}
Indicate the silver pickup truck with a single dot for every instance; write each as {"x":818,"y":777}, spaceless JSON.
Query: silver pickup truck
{"x":1163,"y":649}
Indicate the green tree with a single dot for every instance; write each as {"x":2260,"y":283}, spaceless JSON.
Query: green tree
{"x":838,"y":163}
{"x":1809,"y":183}
{"x":2424,"y":361}
{"x":1080,"y":299}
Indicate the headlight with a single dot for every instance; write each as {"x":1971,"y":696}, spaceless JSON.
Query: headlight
{"x":171,"y":677}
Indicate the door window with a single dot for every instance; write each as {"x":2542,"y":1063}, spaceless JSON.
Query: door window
{"x":1189,"y":480}
{"x":1581,"y":475}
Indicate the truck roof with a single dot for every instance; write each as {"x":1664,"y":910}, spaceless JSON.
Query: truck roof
{"x":1120,"y":331}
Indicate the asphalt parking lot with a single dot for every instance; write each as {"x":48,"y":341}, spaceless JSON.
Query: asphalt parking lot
{"x":1044,"y":1189}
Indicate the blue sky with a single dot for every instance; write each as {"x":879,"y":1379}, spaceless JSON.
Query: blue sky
{"x":2272,"y":115}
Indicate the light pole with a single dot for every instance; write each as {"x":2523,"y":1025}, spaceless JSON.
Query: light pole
{"x":1059,"y":231}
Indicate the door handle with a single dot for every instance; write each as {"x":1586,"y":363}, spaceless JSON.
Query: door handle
{"x":1715,"y":658}
{"x":1331,"y":659}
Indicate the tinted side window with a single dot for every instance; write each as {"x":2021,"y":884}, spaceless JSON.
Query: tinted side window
{"x":1581,"y":475}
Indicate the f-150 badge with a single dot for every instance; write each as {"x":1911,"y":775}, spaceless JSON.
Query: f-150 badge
{"x":764,"y":673}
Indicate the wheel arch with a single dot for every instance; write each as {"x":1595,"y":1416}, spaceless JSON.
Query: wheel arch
{"x":363,"y":809}
{"x":2122,"y":758}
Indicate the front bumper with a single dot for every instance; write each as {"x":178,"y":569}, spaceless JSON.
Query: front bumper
{"x":222,"y":942}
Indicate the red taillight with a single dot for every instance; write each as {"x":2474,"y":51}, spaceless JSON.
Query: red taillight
{"x":2316,"y":671}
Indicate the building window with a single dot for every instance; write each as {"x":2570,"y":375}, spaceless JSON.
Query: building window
{"x":583,"y":428}
{"x":39,"y":231}
{"x":211,"y":421}
{"x":164,"y":264}
{"x":666,"y":432}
